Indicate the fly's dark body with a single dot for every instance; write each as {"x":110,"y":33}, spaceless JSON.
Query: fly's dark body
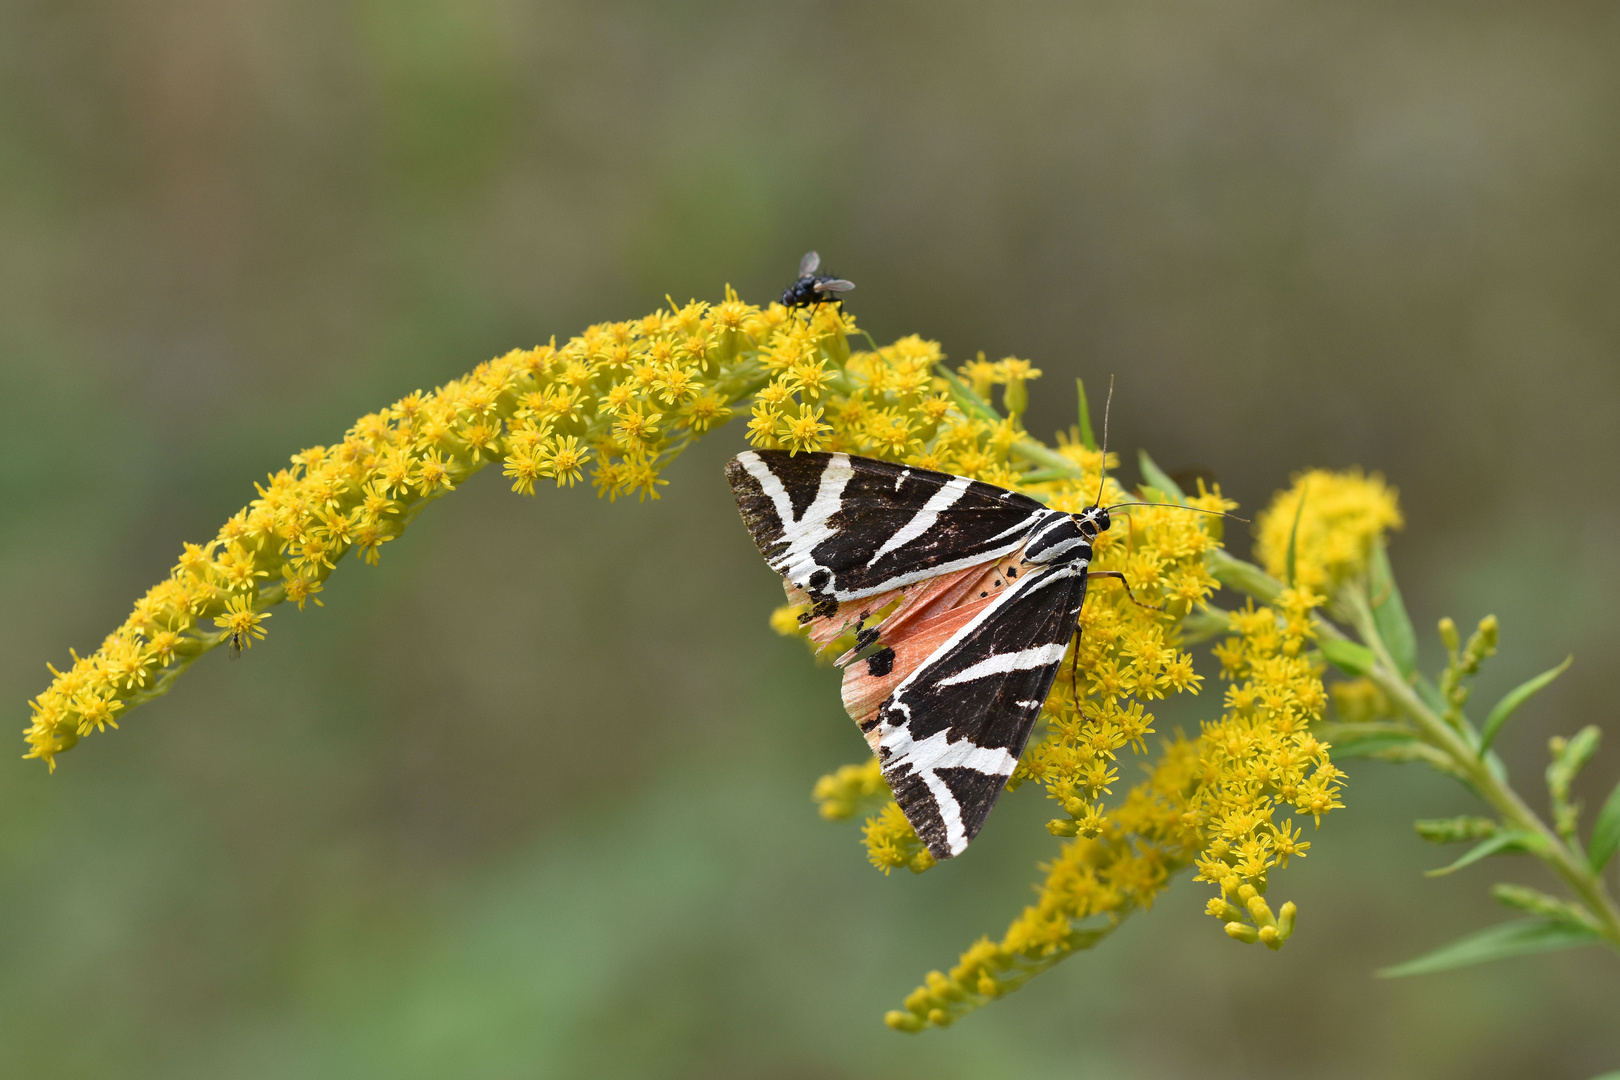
{"x":812,"y":288}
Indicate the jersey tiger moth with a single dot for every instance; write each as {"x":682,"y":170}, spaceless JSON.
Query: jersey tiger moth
{"x":962,"y":597}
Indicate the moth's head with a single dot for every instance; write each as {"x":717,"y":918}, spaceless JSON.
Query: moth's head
{"x":1093,"y":520}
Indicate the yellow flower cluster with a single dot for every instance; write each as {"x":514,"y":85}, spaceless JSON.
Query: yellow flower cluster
{"x":886,"y":403}
{"x":1359,"y":701}
{"x":1260,"y":756}
{"x":621,"y":399}
{"x":1344,"y":514}
{"x":840,"y":795}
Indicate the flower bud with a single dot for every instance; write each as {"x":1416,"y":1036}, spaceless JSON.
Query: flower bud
{"x":1242,"y":932}
{"x":1448,"y":635}
{"x":903,"y":1021}
{"x":1285,"y":920}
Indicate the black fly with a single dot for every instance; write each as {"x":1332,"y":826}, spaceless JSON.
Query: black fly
{"x":813,"y":288}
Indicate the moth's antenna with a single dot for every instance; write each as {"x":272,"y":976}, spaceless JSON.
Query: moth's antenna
{"x":1182,"y":506}
{"x":1102,"y":474}
{"x":1102,"y":477}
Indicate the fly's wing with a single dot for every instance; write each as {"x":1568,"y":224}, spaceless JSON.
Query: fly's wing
{"x":949,"y":734}
{"x":834,"y":285}
{"x":844,"y":528}
{"x":808,"y":264}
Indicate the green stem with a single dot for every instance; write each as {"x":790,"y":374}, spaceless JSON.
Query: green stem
{"x":1433,"y":729}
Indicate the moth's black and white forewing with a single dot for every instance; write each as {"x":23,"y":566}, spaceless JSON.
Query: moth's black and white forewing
{"x":843,"y":529}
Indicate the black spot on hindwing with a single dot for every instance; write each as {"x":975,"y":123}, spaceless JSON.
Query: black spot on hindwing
{"x":880,"y":663}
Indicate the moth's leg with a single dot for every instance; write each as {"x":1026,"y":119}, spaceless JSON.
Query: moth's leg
{"x":1074,"y":666}
{"x":1127,"y":587}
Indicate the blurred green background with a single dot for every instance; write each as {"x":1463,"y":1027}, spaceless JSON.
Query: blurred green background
{"x":530,"y":799}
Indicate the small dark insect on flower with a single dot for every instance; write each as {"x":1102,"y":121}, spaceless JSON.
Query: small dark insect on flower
{"x":813,"y":288}
{"x":235,"y":652}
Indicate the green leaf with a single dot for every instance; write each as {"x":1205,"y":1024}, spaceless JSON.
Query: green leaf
{"x":1513,"y":840}
{"x":1372,"y":745}
{"x":1608,"y":1076}
{"x":1389,"y":612}
{"x":1348,"y":656}
{"x":1293,"y":533}
{"x":1516,"y":697}
{"x":1606,"y":833}
{"x":1456,"y":829}
{"x":1155,"y":477}
{"x":1087,"y":438}
{"x":970,"y":403}
{"x":1495,"y":943}
{"x":1539,"y":904}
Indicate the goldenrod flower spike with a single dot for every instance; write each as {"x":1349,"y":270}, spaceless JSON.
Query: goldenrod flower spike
{"x":1326,"y":534}
{"x":621,"y":399}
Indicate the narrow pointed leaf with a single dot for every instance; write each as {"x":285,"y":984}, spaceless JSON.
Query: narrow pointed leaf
{"x":1456,"y":829}
{"x":1537,"y":903}
{"x":1513,"y":840}
{"x":1293,"y":532}
{"x":1373,"y":745}
{"x":1349,"y":657}
{"x":1606,"y":832}
{"x":1153,"y":476}
{"x":966,"y":400}
{"x":1389,"y":612}
{"x":1516,"y":697}
{"x":1400,"y":749}
{"x":1087,"y":438}
{"x":1495,"y":943}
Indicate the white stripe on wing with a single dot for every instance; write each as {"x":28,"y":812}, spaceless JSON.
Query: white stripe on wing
{"x":1006,"y":663}
{"x":924,"y":519}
